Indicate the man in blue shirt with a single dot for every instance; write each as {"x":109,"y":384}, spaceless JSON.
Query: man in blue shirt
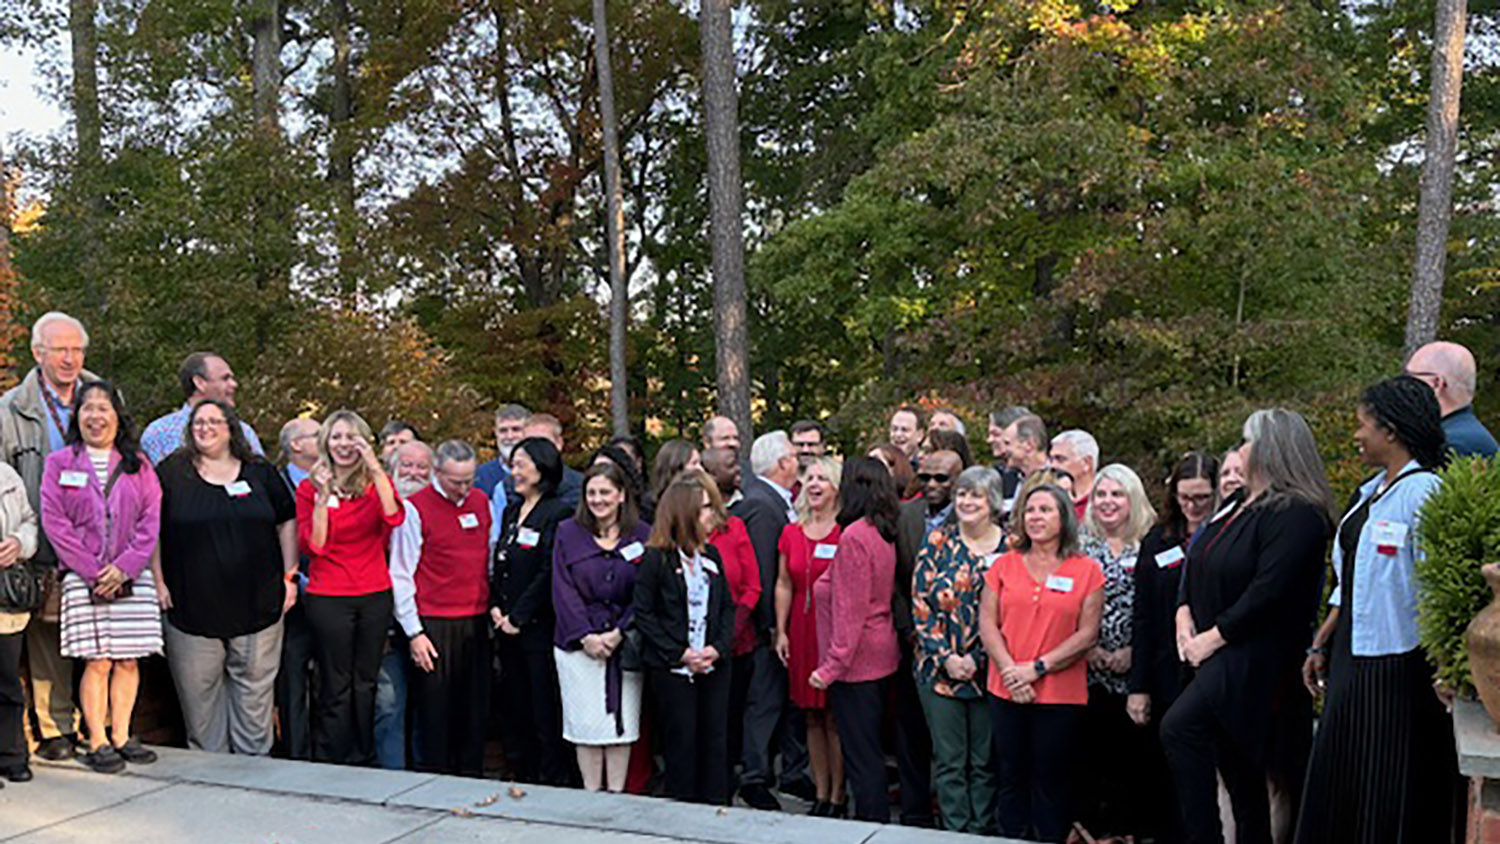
{"x":510,"y":428}
{"x":203,"y":375}
{"x":1449,"y":370}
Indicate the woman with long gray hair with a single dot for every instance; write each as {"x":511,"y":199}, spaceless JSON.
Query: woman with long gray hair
{"x":1247,"y":608}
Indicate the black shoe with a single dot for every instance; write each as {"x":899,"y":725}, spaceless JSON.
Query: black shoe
{"x":105,"y":760}
{"x":19,"y":773}
{"x":820,"y":809}
{"x":757,"y":796}
{"x":56,"y":749}
{"x":801,"y":789}
{"x":838,"y":810}
{"x":136,"y":753}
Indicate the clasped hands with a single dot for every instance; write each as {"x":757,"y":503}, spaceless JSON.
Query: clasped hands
{"x":602,"y":646}
{"x":699,"y":661}
{"x":109,"y":581}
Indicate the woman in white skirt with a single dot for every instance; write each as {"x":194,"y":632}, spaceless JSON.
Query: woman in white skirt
{"x":101,"y":510}
{"x":594,"y":561}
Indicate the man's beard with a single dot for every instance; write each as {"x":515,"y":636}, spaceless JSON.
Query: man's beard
{"x":407,"y":487}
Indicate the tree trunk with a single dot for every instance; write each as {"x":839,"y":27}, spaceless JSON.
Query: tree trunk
{"x":721,"y":129}
{"x":265,"y":64}
{"x":341,"y":154}
{"x":1435,"y":208}
{"x":84,"y":34}
{"x":614,"y":191}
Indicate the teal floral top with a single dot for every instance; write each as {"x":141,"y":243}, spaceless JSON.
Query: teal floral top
{"x":946,"y":583}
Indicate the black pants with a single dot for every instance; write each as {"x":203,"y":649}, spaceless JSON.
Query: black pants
{"x":694,"y":716}
{"x":1111,"y":799}
{"x":453,"y":701}
{"x":1197,"y":746}
{"x":530,"y":710}
{"x":294,"y":686}
{"x":1034,"y":747}
{"x":350,"y":632}
{"x":859,"y":709}
{"x":913,"y":747}
{"x":12,"y":702}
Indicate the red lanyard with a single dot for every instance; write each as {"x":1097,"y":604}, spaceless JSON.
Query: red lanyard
{"x":62,"y":430}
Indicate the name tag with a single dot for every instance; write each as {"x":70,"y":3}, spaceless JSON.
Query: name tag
{"x":527,"y":538}
{"x":1389,"y":536}
{"x":333,"y":502}
{"x":468,"y":521}
{"x":238,"y":489}
{"x":1058,"y":583}
{"x":74,"y":479}
{"x":1128,"y":563}
{"x":825,"y":550}
{"x":632,"y":552}
{"x":1008,"y":505}
{"x":1170,"y":557}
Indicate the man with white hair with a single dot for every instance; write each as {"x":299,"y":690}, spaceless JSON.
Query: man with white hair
{"x":34,"y":417}
{"x":944,"y":419}
{"x":1077,"y":453}
{"x":1449,"y":370}
{"x":766,"y":508}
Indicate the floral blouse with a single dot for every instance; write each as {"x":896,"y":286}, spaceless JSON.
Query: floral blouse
{"x":1115,"y":627}
{"x":946,"y":582}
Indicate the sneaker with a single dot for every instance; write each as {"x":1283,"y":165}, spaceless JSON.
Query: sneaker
{"x":757,"y":796}
{"x":56,"y":749}
{"x":136,"y":753}
{"x":17,"y":773}
{"x":105,"y":760}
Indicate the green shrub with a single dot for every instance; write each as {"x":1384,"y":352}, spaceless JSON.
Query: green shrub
{"x":1458,"y":531}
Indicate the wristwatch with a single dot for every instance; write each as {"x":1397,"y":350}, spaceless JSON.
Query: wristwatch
{"x":1040,"y":667}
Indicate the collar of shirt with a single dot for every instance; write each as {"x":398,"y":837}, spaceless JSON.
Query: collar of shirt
{"x":444,"y":493}
{"x":934,"y":519}
{"x":734,"y":499}
{"x":296,"y":474}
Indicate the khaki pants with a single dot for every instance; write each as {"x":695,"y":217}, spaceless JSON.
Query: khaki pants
{"x":51,"y":680}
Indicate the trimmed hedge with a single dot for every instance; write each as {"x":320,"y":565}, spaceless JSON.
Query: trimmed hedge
{"x":1458,"y":531}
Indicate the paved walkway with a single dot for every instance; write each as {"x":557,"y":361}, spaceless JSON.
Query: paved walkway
{"x":200,"y":797}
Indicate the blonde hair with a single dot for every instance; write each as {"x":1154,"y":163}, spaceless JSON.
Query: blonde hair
{"x":359,"y":480}
{"x":1142,"y":514}
{"x":835,"y":469}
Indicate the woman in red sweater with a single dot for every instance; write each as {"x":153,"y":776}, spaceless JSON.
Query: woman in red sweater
{"x":346,"y":509}
{"x":853,"y":598}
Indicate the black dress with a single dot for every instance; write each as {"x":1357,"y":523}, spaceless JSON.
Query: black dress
{"x":1383,"y":756}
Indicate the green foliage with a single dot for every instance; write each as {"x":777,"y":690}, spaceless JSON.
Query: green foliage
{"x":1458,"y":532}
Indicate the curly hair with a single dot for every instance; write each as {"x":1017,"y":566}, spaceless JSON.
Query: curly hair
{"x":1406,"y":407}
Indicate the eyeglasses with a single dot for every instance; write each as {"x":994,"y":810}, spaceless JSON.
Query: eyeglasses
{"x":1195,"y":500}
{"x":209,"y":424}
{"x":940,"y":477}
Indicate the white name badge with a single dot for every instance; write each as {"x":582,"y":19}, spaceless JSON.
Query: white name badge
{"x":632,"y":552}
{"x":74,"y":479}
{"x":1169,"y":557}
{"x":238,"y":489}
{"x":825,"y":550}
{"x":468,"y":521}
{"x":527,"y":538}
{"x":1058,"y":583}
{"x":1008,"y":505}
{"x":1388,"y":536}
{"x":1128,"y":563}
{"x":333,"y":502}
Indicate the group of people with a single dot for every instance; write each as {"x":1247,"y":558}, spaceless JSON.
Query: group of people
{"x":1042,"y":650}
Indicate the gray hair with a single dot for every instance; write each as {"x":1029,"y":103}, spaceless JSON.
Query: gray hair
{"x":1004,"y":417}
{"x":1083,"y":444}
{"x":1032,"y":429}
{"x":958,"y":422}
{"x":456,"y":450}
{"x":396,"y":455}
{"x":511,"y":411}
{"x":768,"y":451}
{"x":38,"y":327}
{"x":987,"y":482}
{"x":1284,"y":460}
{"x":1142,"y":514}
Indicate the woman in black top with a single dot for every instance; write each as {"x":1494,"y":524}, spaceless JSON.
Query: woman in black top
{"x":228,"y":544}
{"x":685,"y":617}
{"x":1155,"y":672}
{"x":521,"y":607}
{"x":1248,"y":603}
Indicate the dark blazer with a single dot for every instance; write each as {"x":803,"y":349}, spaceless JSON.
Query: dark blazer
{"x":660,"y":611}
{"x":521,"y":584}
{"x":1154,"y":667}
{"x":911,"y":532}
{"x":763,"y":511}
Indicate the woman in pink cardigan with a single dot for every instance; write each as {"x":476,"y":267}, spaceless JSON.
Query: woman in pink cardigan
{"x":855,"y":630}
{"x":101,"y":510}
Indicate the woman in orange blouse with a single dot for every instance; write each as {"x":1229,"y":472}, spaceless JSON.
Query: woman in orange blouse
{"x":1039,"y":615}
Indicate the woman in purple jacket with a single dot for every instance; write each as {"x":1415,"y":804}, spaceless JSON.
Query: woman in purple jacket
{"x":101,"y":510}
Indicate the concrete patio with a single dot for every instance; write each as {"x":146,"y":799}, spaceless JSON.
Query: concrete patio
{"x":199,"y":797}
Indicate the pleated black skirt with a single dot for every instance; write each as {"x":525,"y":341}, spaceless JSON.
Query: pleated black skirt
{"x":1383,"y":758}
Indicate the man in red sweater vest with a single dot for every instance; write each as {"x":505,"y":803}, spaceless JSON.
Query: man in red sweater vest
{"x":440,"y":558}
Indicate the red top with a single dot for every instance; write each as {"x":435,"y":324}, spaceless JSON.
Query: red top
{"x":1036,"y":617}
{"x":352,"y":561}
{"x":853,"y":601}
{"x":742,"y":571}
{"x":453,"y":578}
{"x":805,"y":563}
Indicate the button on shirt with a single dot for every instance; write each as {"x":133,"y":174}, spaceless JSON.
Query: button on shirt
{"x":1385,"y":585}
{"x":164,"y":435}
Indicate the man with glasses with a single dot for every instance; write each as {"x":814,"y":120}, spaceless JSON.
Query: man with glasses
{"x":809,"y":441}
{"x":1449,"y":370}
{"x":203,"y":375}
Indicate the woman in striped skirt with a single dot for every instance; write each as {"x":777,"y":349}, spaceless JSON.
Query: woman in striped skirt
{"x":101,"y":510}
{"x":1383,"y":755}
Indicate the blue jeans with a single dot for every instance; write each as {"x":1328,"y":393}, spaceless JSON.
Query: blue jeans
{"x":390,"y":707}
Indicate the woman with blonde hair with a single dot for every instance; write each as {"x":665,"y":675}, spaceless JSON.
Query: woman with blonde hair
{"x":1118,"y":517}
{"x":346,"y":510}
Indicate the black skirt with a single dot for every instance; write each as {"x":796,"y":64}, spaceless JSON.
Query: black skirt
{"x":1383,"y":757}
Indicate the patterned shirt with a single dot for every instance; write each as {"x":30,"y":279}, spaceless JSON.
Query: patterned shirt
{"x":946,"y":583}
{"x":164,"y":435}
{"x":1119,"y":603}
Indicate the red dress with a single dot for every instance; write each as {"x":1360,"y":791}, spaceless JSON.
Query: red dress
{"x":805,"y":564}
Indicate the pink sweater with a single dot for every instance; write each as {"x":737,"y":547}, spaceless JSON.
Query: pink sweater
{"x":854,"y":608}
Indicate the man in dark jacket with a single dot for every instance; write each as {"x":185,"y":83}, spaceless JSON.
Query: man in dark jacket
{"x":1449,"y":370}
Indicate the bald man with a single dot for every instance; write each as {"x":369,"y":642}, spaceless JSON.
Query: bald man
{"x":1449,"y":370}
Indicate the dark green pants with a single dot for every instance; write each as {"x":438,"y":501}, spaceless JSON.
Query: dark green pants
{"x":963,"y":777}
